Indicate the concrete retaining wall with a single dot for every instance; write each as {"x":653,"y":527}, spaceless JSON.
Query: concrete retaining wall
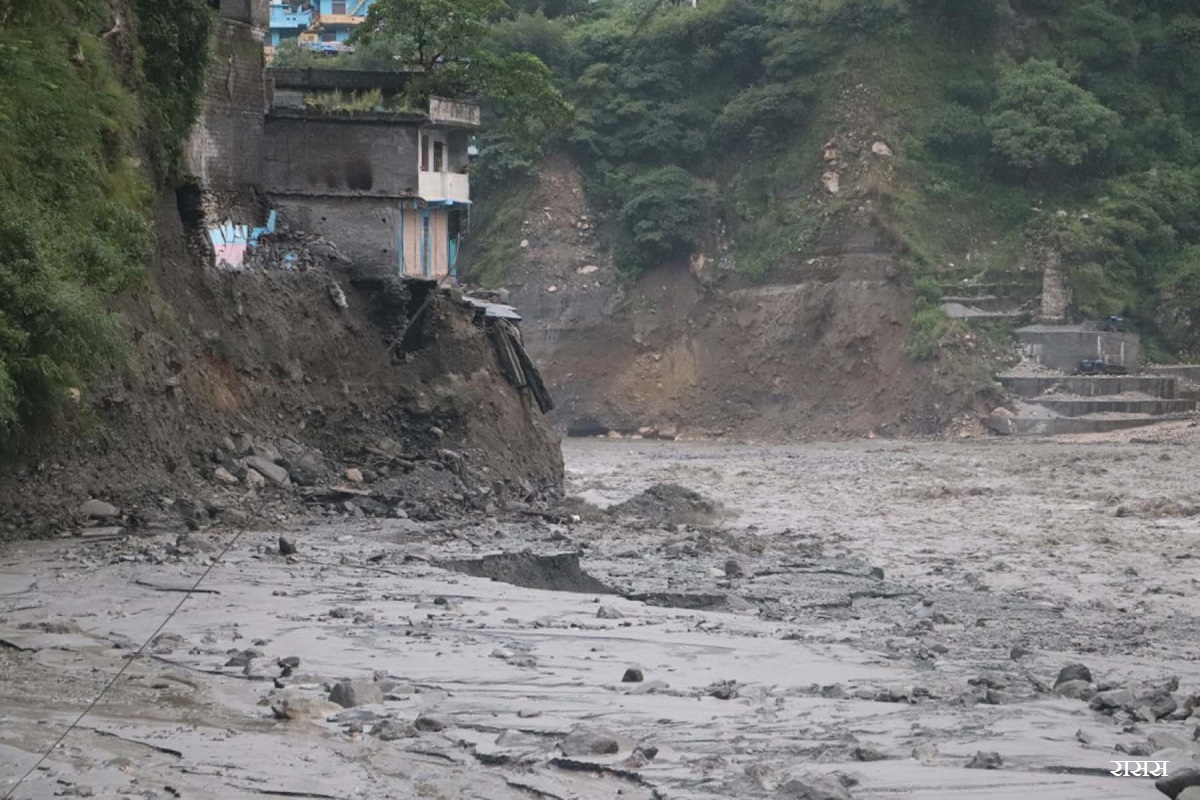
{"x":1090,"y":386}
{"x":1188,"y":372}
{"x":1063,"y":347}
{"x":1079,"y":407}
{"x":1055,"y":426}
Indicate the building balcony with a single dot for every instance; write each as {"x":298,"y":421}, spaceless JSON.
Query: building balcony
{"x":453,"y":113}
{"x":337,"y":21}
{"x":290,"y":19}
{"x":439,"y":187}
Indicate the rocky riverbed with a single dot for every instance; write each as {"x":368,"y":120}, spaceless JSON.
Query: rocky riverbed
{"x":986,"y":619}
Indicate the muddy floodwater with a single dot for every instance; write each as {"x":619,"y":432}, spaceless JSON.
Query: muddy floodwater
{"x":866,"y":620}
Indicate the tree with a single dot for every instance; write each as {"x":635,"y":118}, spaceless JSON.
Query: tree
{"x":662,"y":219}
{"x":444,"y":43}
{"x":1042,"y":120}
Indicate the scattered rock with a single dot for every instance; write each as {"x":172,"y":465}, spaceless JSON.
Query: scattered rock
{"x":867,"y":754}
{"x":337,"y":295}
{"x":670,"y":504}
{"x":1076,"y":690}
{"x":881,"y":149}
{"x":608,"y":612}
{"x":243,"y":658}
{"x":254,"y":479}
{"x":583,"y":741}
{"x":349,"y":694}
{"x":1111,"y":700}
{"x":286,"y":546}
{"x":268,"y":469}
{"x":832,"y":182}
{"x":222,"y":475}
{"x":98,"y":509}
{"x":1174,"y":786}
{"x":390,"y":729}
{"x":1018,"y":652}
{"x":632,"y":675}
{"x":354,"y":475}
{"x":733,"y":569}
{"x":298,"y":706}
{"x":722,"y":690}
{"x":430,"y":724}
{"x":982,"y":760}
{"x":1158,"y":706}
{"x":1073,"y":672}
{"x":812,"y":788}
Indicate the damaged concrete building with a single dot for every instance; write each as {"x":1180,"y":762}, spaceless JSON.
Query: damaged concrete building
{"x":389,"y":188}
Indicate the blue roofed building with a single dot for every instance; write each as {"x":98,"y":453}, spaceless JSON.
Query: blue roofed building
{"x":336,"y":19}
{"x":289,"y":20}
{"x":323,"y":25}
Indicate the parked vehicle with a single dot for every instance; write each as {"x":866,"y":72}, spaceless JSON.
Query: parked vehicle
{"x":1090,"y":366}
{"x":1116,"y":324}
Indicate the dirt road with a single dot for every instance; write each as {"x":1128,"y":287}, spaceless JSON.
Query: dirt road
{"x":862,"y":620}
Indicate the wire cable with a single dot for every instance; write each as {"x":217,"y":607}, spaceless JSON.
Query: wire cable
{"x":112,"y":681}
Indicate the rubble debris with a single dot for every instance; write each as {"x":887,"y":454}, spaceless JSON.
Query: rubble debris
{"x":1175,"y":786}
{"x":349,"y":694}
{"x":584,"y":741}
{"x":557,"y":572}
{"x":812,"y":788}
{"x":1073,"y":672}
{"x":389,"y":730}
{"x":670,"y":504}
{"x":98,"y":509}
{"x":985,"y":760}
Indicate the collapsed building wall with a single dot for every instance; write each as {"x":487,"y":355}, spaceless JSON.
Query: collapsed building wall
{"x":343,"y":177}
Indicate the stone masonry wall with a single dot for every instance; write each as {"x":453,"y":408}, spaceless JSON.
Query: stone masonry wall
{"x":225,"y":148}
{"x":305,"y":154}
{"x":365,"y":229}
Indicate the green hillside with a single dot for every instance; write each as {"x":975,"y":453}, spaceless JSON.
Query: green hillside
{"x":95,"y":100}
{"x":1021,"y":129}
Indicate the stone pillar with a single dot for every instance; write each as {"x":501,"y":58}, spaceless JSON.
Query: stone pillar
{"x":1056,"y":295}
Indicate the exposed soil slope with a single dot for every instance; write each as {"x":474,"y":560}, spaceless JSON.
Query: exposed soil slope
{"x":814,"y":351}
{"x":265,"y":362}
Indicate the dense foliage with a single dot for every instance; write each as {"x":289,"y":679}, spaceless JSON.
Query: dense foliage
{"x":1020,"y":123}
{"x":76,"y":108}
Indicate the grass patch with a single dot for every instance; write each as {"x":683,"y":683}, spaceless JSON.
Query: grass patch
{"x":75,"y":113}
{"x":496,"y":233}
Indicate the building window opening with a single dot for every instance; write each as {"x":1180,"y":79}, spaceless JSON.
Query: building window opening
{"x":328,"y":37}
{"x":439,"y":157}
{"x":424,"y":153}
{"x":339,"y":7}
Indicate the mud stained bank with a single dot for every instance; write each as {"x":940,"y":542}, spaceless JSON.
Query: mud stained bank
{"x":893,"y":622}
